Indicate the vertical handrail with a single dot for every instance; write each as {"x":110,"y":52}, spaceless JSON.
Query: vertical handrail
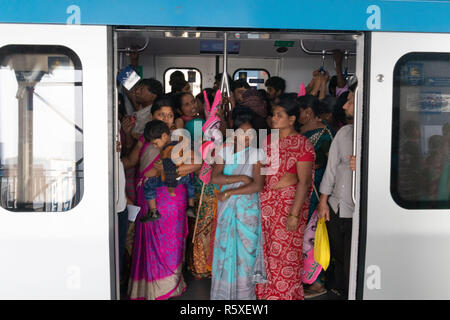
{"x":116,"y":159}
{"x":355,"y":140}
{"x":224,"y":84}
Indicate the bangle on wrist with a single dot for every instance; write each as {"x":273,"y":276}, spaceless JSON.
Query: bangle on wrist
{"x":291,"y":215}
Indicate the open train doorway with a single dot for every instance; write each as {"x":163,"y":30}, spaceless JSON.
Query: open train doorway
{"x":252,"y":55}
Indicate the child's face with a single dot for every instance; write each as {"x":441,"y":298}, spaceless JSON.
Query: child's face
{"x":161,"y":142}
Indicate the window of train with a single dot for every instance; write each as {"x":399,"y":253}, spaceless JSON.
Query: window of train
{"x":256,"y":78}
{"x":41,"y":131}
{"x":421,"y":131}
{"x":192,"y":75}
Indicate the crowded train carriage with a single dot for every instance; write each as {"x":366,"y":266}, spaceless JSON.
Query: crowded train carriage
{"x":292,"y":115}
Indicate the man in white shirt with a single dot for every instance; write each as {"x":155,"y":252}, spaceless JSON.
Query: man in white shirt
{"x":146,"y":92}
{"x":336,"y":205}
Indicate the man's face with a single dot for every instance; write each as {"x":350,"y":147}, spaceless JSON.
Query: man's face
{"x":349,"y":106}
{"x":144,"y":96}
{"x":238,"y":94}
{"x":272,"y":93}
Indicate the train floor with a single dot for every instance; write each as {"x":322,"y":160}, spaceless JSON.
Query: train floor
{"x":200,"y":290}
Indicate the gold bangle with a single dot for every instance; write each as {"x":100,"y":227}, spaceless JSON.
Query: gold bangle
{"x":293,"y":216}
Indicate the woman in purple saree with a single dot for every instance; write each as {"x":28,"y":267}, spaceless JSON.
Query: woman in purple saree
{"x":156,"y":267}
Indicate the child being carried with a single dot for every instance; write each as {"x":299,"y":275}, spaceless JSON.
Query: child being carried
{"x":158,"y":133}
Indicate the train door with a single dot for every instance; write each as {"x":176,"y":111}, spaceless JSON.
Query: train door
{"x":55,"y":140}
{"x":407,"y":218}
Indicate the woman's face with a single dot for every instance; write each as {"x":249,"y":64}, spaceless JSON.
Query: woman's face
{"x":280,"y":119}
{"x":166,"y":115}
{"x":305,"y":115}
{"x":244,"y":136}
{"x":189,"y":106}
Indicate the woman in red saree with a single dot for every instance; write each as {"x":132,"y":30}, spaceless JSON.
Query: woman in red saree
{"x":285,"y":204}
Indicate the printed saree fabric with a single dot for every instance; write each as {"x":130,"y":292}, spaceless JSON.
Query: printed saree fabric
{"x":238,"y":261}
{"x":321,"y":140}
{"x":156,"y":268}
{"x":283,"y":248}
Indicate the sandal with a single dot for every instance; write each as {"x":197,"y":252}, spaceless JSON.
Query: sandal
{"x":150,"y":216}
{"x":190,"y":212}
{"x":315,"y":291}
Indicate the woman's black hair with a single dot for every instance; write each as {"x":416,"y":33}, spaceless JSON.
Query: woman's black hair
{"x":209,"y":94}
{"x":332,"y":84}
{"x":309,"y":101}
{"x":241,"y":115}
{"x":327,"y":104}
{"x":164,"y":101}
{"x":154,"y":130}
{"x":288,"y":101}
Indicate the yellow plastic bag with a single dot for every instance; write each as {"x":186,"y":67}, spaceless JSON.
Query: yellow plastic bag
{"x":322,"y":245}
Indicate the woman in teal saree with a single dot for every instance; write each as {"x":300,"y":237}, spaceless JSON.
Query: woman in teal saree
{"x":238,"y":260}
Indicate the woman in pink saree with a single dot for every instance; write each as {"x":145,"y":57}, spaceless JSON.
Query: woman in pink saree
{"x":157,"y":259}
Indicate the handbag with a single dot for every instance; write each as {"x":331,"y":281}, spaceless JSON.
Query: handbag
{"x":311,"y":268}
{"x":322,"y":245}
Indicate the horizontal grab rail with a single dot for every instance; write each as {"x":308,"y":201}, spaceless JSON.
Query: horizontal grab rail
{"x":138,"y":50}
{"x":323,"y":52}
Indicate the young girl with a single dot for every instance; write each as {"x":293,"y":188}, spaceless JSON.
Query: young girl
{"x":238,"y":262}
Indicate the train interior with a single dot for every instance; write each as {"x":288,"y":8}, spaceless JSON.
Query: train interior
{"x":253,"y":55}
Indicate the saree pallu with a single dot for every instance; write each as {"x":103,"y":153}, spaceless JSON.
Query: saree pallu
{"x":199,"y":262}
{"x":238,"y":259}
{"x":156,"y":266}
{"x":156,"y":270}
{"x":283,"y":248}
{"x":321,"y":140}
